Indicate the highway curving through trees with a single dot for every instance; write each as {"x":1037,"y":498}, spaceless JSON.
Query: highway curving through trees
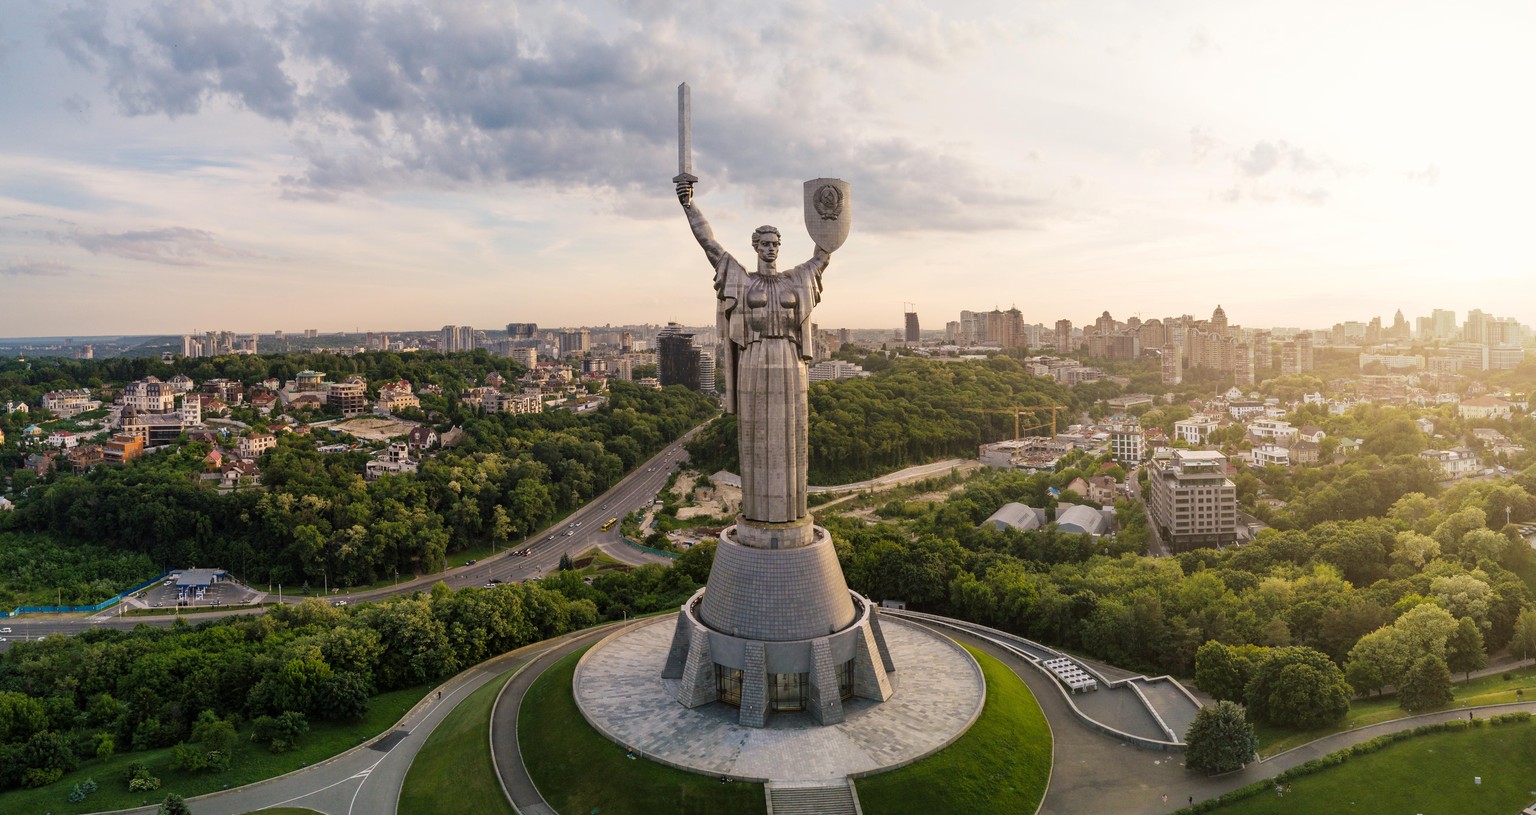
{"x":577,"y":533}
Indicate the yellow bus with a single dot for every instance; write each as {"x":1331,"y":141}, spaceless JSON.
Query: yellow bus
{"x":609,"y":525}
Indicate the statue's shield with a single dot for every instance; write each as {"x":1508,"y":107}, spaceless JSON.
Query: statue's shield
{"x":826,"y":212}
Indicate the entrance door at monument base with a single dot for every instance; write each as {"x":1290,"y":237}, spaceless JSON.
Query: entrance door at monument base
{"x":789,"y":691}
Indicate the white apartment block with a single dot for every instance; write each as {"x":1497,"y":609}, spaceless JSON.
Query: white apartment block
{"x":395,"y":460}
{"x":1457,"y":462}
{"x":1127,"y":443}
{"x":68,"y":403}
{"x":150,"y":395}
{"x":1194,"y":430}
{"x":1267,"y":454}
{"x":1272,"y":430}
{"x":1190,"y":499}
{"x":833,"y":369}
{"x":254,"y":445}
{"x":1484,"y":407}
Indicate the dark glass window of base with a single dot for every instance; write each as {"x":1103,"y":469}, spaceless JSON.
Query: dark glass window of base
{"x":845,"y":680}
{"x":728,"y":683}
{"x":788,"y":691}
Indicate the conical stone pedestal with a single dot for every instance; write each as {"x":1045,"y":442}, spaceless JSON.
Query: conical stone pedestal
{"x":776,"y":629}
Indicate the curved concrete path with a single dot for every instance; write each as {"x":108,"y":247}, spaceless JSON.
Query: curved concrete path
{"x":1092,"y":772}
{"x":366,"y":780}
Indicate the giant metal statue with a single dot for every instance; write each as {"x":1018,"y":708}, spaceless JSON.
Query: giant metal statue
{"x":764,"y":318}
{"x":775,"y":628}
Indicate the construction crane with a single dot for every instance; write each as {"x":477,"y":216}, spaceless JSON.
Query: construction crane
{"x":1023,"y":409}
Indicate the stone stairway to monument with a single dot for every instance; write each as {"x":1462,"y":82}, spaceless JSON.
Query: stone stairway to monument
{"x":821,"y":797}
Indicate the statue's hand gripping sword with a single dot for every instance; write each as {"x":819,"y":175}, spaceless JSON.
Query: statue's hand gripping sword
{"x":685,"y":178}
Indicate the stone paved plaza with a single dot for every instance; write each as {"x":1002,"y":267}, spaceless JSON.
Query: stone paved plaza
{"x":939,"y":692}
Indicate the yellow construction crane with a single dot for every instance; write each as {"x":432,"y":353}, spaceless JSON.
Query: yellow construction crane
{"x":1023,"y":409}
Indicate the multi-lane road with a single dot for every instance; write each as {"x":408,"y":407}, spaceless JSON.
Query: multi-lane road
{"x":577,"y":533}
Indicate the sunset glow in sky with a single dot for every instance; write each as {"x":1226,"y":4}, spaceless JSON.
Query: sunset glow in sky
{"x":166,"y":167}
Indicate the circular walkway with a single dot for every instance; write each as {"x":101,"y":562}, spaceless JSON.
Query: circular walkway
{"x":939,"y":693}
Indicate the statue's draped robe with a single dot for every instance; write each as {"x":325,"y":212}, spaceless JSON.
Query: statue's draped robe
{"x":765,"y":323}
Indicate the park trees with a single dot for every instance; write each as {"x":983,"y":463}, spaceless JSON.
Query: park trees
{"x":1220,"y":739}
{"x":1464,"y":651}
{"x":1523,"y":643}
{"x":1426,"y":685}
{"x":1223,"y":671}
{"x":1298,"y":687}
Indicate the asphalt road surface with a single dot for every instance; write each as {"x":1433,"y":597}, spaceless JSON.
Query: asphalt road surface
{"x":577,"y":533}
{"x":367,"y":779}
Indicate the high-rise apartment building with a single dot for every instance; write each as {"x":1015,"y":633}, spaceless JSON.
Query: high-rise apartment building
{"x":1127,"y":442}
{"x":914,"y":334}
{"x":677,"y":361}
{"x":575,"y":342}
{"x":1296,"y":355}
{"x":1064,"y":344}
{"x":1192,"y":502}
{"x":457,"y":338}
{"x":1173,"y":364}
{"x":522,"y":331}
{"x":706,"y":370}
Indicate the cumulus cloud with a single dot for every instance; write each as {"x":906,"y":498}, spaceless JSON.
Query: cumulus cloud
{"x":173,"y":246}
{"x":177,"y":57}
{"x":1267,"y":156}
{"x":381,"y":96}
{"x":1276,"y":170}
{"x":27,"y":267}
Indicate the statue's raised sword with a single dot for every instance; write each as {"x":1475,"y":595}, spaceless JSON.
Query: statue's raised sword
{"x":684,"y":138}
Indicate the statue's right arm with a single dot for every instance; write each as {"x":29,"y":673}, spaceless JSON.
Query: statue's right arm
{"x":701,"y":230}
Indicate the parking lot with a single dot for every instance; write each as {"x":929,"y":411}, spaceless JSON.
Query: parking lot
{"x":221,"y":592}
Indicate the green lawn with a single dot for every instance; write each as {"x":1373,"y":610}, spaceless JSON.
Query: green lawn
{"x":579,"y":771}
{"x":453,"y":774}
{"x":1002,"y":764}
{"x":1485,"y":690}
{"x":1430,"y":774}
{"x":253,"y":764}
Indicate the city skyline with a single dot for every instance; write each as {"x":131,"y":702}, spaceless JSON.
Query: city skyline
{"x":197,"y":165}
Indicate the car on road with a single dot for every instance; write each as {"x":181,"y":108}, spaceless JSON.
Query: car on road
{"x":569,"y":533}
{"x":470,"y":562}
{"x":339,"y":603}
{"x":3,"y":639}
{"x":5,"y":630}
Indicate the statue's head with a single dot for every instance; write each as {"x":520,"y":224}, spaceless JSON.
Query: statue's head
{"x":765,"y":240}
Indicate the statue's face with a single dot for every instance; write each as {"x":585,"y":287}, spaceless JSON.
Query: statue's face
{"x":767,"y":246}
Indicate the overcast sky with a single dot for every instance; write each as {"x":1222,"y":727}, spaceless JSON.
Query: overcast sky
{"x":166,"y":167}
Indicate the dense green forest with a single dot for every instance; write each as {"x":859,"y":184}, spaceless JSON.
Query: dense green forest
{"x":318,"y":520}
{"x":219,"y":689}
{"x":1320,"y":589}
{"x":28,"y":380}
{"x":910,"y":412}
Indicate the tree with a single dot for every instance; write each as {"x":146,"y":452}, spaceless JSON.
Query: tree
{"x":1428,"y":685}
{"x":1523,"y":644}
{"x":565,"y":562}
{"x":1464,"y":651}
{"x":1223,"y":671}
{"x":1221,"y":739}
{"x":1414,"y":549}
{"x":174,"y":805}
{"x":1298,"y":687}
